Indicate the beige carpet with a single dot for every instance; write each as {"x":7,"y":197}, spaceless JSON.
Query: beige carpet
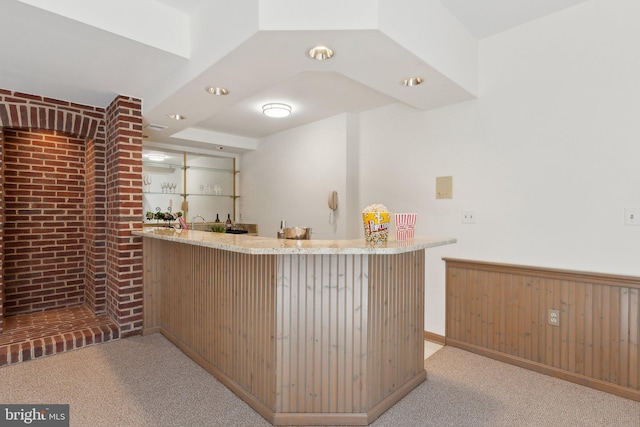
{"x":146,"y":381}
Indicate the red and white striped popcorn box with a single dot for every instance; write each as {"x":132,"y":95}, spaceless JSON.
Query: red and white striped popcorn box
{"x":405,"y":223}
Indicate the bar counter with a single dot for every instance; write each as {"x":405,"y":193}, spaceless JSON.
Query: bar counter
{"x":307,"y":332}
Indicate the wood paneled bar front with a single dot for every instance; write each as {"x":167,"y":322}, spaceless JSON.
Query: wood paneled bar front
{"x":307,"y":332}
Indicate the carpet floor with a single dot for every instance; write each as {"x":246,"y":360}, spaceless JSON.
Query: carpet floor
{"x":146,"y":381}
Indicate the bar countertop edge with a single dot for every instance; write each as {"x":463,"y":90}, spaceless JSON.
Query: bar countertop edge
{"x":258,"y":245}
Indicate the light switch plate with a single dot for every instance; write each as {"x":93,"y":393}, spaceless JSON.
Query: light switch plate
{"x":444,"y":187}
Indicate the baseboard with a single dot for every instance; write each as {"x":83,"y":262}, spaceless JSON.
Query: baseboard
{"x":547,"y":370}
{"x":150,"y":331}
{"x":435,"y":338}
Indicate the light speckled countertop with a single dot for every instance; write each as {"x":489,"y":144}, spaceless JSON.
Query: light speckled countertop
{"x":257,"y":245}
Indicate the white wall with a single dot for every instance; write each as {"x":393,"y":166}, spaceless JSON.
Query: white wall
{"x":548,"y":157}
{"x":290,"y":176}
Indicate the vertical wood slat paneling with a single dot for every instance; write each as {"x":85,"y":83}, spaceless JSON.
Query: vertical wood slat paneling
{"x":301,"y":334}
{"x":599,"y":330}
{"x":221,"y":314}
{"x":348,"y":358}
{"x":400,"y":357}
{"x":320,"y":357}
{"x":633,"y":359}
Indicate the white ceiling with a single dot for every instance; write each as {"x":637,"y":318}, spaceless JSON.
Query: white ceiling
{"x":77,"y":53}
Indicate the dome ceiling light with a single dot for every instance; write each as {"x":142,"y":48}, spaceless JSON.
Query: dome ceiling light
{"x":156,"y":157}
{"x":276,"y":110}
{"x":412,"y":81}
{"x":320,"y":53}
{"x":216,"y":90}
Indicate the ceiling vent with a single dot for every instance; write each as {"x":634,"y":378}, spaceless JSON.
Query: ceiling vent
{"x":155,"y":127}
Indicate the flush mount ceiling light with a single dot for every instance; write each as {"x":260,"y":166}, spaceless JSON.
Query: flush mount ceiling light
{"x":215,"y":90}
{"x":156,"y":157}
{"x":155,"y":127}
{"x":412,"y":81}
{"x":276,"y":110}
{"x":176,"y":116}
{"x":320,"y":53}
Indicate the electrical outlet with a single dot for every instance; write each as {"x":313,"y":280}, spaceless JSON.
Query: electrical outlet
{"x":554,"y":317}
{"x":631,"y":216}
{"x":468,"y":217}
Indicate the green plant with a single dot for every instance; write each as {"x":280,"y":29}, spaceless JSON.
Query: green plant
{"x":218,"y":229}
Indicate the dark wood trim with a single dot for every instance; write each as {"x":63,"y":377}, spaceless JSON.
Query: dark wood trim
{"x":547,"y":370}
{"x":438,"y":339}
{"x":555,"y":273}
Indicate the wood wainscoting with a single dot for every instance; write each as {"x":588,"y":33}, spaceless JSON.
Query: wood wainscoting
{"x":502,"y":311}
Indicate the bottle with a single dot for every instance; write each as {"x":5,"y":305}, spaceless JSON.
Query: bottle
{"x":228,"y":222}
{"x":217,"y":218}
{"x":281,"y":231}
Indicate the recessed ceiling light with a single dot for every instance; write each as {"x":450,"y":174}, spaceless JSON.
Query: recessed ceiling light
{"x":215,"y":90}
{"x":412,"y":81}
{"x":276,"y":110}
{"x":176,"y":116}
{"x":320,"y":53}
{"x":156,"y":157}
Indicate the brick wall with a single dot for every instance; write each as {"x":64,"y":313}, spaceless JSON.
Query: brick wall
{"x":112,"y":263}
{"x":44,"y":207}
{"x":124,"y":198}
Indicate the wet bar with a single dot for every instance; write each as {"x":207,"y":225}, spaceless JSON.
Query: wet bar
{"x":307,"y":332}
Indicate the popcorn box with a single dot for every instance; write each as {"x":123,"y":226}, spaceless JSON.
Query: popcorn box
{"x":376,"y":226}
{"x":405,"y":223}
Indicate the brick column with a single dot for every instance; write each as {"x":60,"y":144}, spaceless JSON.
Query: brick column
{"x":96,"y":216}
{"x":124,"y":213}
{"x":1,"y":236}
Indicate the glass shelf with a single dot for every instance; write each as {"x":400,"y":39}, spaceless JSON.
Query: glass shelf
{"x":182,"y":167}
{"x":211,"y":195}
{"x":190,"y":171}
{"x":189,"y":194}
{"x":203,"y":168}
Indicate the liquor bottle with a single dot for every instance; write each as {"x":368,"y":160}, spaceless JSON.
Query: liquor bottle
{"x":217,"y":218}
{"x":281,"y":231}
{"x":228,"y":222}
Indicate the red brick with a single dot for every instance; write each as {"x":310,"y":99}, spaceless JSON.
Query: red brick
{"x":69,"y":341}
{"x":38,"y":348}
{"x":59,"y":343}
{"x":25,"y":351}
{"x":4,"y":355}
